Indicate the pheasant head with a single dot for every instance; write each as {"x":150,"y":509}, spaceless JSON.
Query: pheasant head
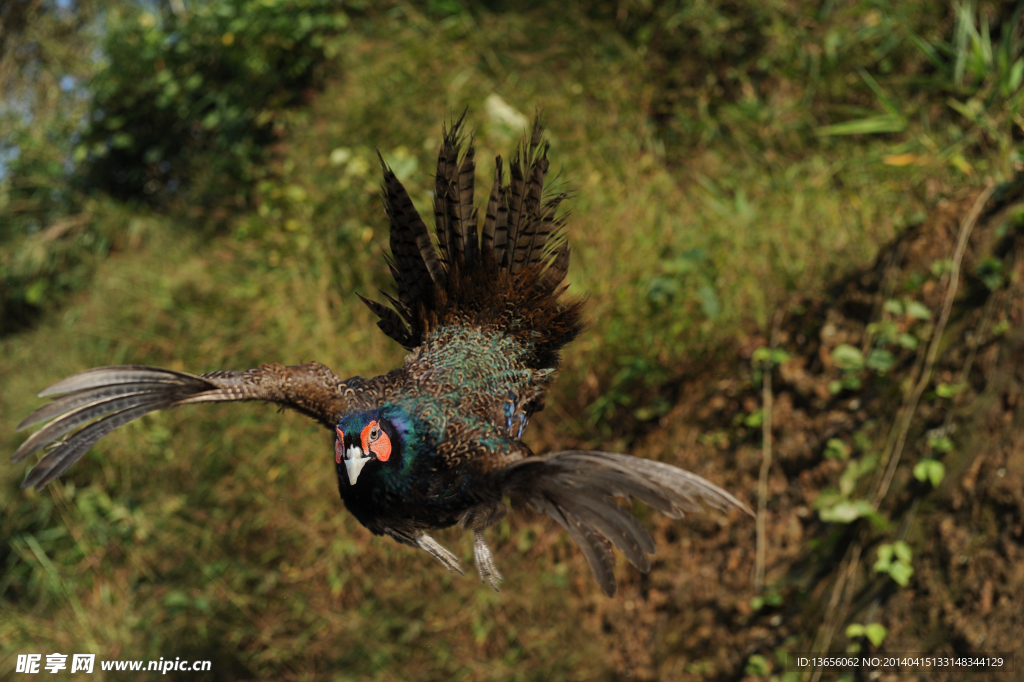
{"x":372,"y":445}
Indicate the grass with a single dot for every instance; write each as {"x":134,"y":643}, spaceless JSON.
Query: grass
{"x":216,"y":532}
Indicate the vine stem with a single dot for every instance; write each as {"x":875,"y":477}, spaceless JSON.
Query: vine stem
{"x":966,"y":227}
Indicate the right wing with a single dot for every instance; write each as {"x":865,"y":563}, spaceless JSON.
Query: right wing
{"x":113,"y":396}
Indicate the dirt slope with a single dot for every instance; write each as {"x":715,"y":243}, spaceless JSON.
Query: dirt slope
{"x":692,"y":617}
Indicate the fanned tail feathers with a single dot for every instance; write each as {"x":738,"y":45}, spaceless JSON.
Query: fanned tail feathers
{"x":508,"y":274}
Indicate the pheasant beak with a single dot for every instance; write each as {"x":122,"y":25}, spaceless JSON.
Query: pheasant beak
{"x":354,"y":462}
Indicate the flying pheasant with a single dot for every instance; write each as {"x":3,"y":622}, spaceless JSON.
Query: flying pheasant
{"x":436,"y":442}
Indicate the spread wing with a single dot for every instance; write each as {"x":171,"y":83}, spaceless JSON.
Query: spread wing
{"x":98,"y":401}
{"x":577,"y":487}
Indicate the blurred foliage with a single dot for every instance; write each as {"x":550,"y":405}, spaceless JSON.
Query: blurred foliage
{"x":763,"y":73}
{"x":192,"y":97}
{"x":48,"y":240}
{"x":179,"y":101}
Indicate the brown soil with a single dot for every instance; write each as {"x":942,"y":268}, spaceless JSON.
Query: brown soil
{"x":692,"y":617}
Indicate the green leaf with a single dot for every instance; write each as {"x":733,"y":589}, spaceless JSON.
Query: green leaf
{"x":122,"y":140}
{"x":875,"y":633}
{"x":847,"y":357}
{"x":709,"y":302}
{"x":757,"y":666}
{"x":887,"y":102}
{"x":754,"y":419}
{"x":885,"y":554}
{"x":847,"y":511}
{"x":901,"y":573}
{"x":765,"y":356}
{"x":848,"y":481}
{"x":929,"y":51}
{"x":893,"y":307}
{"x":908,"y":341}
{"x":885,"y":330}
{"x":947,"y":390}
{"x":844,"y":512}
{"x":880,"y":360}
{"x":177,"y":600}
{"x":883,"y":123}
{"x":918,"y":310}
{"x":930,"y":470}
{"x":827,"y":498}
{"x":854,"y":470}
{"x":836,"y":448}
{"x":990,"y":271}
{"x":1016,"y":76}
{"x":921,"y":470}
{"x":854,"y":630}
{"x":894,"y":559}
{"x":36,"y":292}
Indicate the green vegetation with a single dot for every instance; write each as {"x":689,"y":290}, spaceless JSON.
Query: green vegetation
{"x":722,"y":156}
{"x":193,"y":97}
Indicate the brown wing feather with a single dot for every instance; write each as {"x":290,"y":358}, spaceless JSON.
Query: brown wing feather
{"x":99,"y":400}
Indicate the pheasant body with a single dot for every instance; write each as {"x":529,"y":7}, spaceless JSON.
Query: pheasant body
{"x":436,"y":442}
{"x":458,"y":409}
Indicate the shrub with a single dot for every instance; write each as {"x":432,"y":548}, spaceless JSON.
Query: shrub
{"x":193,"y":98}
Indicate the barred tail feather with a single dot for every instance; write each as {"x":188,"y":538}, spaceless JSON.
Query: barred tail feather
{"x":416,"y":264}
{"x":507,"y":274}
{"x":487,"y":237}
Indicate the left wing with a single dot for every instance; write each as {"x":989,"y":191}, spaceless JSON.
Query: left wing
{"x":113,"y":396}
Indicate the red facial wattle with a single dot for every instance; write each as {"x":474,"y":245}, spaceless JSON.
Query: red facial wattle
{"x":375,"y":440}
{"x":339,"y":446}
